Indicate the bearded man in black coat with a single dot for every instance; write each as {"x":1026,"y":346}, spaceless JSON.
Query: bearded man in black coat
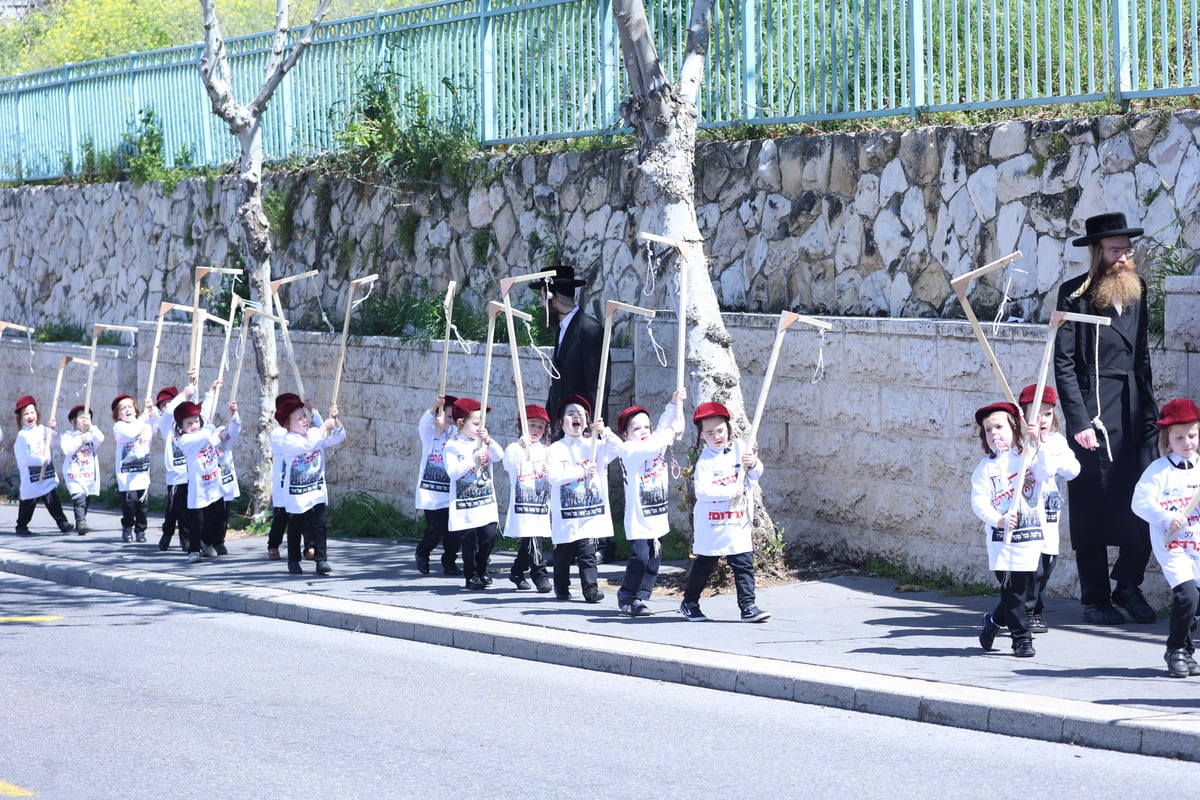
{"x":1104,"y":383}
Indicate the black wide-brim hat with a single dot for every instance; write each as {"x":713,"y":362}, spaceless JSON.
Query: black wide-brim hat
{"x":563,"y":282}
{"x":1103,"y":226}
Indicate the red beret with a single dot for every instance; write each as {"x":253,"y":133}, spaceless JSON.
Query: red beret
{"x":464,"y":407}
{"x":1049,"y":396}
{"x":75,"y":412}
{"x":117,"y":401}
{"x":709,"y":409}
{"x":577,"y":400}
{"x":534,"y":411}
{"x":993,"y":407}
{"x":165,"y":394}
{"x":626,"y":415}
{"x":25,"y":400}
{"x":185,"y":410}
{"x":285,"y":405}
{"x":1179,"y":411}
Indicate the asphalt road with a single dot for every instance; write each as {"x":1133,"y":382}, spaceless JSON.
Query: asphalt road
{"x":115,"y":696}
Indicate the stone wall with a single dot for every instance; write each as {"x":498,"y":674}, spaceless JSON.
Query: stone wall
{"x":872,"y":459}
{"x":873,"y":223}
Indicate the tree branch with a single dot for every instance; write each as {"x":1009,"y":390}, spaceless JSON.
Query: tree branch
{"x":637,"y":47}
{"x":691,"y":73}
{"x":214,"y":71}
{"x":277,"y":65}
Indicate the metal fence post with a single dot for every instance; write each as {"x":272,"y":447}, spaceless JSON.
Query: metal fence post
{"x":1122,"y":68}
{"x":750,"y":60}
{"x":608,"y":105}
{"x":487,"y":75}
{"x":72,"y":139}
{"x":916,"y":53}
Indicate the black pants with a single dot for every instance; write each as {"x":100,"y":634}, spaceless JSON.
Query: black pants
{"x":477,"y":546}
{"x":308,"y":527}
{"x":80,"y":503}
{"x":1128,"y":570}
{"x":529,"y":557}
{"x":279,"y":526}
{"x":437,"y":531}
{"x":1036,"y":603}
{"x":1185,"y":600}
{"x":742,"y":566}
{"x":1016,"y":589}
{"x":176,"y":511}
{"x":205,"y":525}
{"x":53,"y":505}
{"x":583,"y":552}
{"x":641,"y":571}
{"x":133,"y":510}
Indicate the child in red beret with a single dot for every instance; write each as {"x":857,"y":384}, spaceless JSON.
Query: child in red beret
{"x":301,"y":453}
{"x":1061,"y":460}
{"x":529,"y":501}
{"x":724,"y":470}
{"x":436,"y":427}
{"x":38,"y":479}
{"x":201,"y":445}
{"x":473,"y":510}
{"x":1160,"y":497}
{"x":993,"y":501}
{"x":133,"y":435}
{"x":81,"y":464}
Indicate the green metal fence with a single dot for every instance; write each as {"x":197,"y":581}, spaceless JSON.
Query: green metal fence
{"x":539,"y":70}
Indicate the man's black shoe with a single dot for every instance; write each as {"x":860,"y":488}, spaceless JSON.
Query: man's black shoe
{"x":1102,"y":615}
{"x":1134,"y":602}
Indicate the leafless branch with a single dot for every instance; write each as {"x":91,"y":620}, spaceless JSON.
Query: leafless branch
{"x":277,"y":65}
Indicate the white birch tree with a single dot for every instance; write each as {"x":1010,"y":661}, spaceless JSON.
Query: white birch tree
{"x":664,"y":117}
{"x":245,"y":123}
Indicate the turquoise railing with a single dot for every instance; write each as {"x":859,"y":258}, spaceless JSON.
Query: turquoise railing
{"x":539,"y":70}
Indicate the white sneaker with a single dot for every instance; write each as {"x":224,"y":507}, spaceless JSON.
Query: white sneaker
{"x":193,"y":558}
{"x":209,"y":550}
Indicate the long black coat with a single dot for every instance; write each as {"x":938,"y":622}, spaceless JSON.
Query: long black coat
{"x":577,"y":360}
{"x":1099,"y":498}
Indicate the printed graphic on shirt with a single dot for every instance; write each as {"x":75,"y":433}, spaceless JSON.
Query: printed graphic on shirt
{"x":35,"y":473}
{"x":1054,"y":503}
{"x":434,"y":476}
{"x":1029,"y":518}
{"x":82,"y":466}
{"x":134,"y":457}
{"x":207,"y":461}
{"x":652,"y":487}
{"x":580,"y":500}
{"x":177,"y":459}
{"x":227,"y":474}
{"x":307,"y":473}
{"x":531,"y":492}
{"x":473,"y":490}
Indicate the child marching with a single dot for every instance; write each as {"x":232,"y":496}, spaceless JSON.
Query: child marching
{"x":39,"y":481}
{"x":647,"y":483}
{"x":201,"y":443}
{"x":473,"y":512}
{"x":81,"y":463}
{"x":433,"y":487}
{"x":529,"y":501}
{"x":724,"y":471}
{"x":1163,"y":495}
{"x":132,"y":434}
{"x":301,"y":453}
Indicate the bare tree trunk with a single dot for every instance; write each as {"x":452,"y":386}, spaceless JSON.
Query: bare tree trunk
{"x":664,"y":118}
{"x":253,"y":227}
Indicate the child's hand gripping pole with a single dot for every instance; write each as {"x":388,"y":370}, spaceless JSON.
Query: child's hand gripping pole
{"x":54,"y":401}
{"x":1057,"y":318}
{"x":341,"y":363}
{"x":786,"y":320}
{"x":506,"y":285}
{"x":281,"y":318}
{"x":1187,"y":512}
{"x":611,"y":307}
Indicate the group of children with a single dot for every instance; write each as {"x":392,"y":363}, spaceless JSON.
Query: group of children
{"x":1021,"y":524}
{"x":201,"y":477}
{"x":559,"y":490}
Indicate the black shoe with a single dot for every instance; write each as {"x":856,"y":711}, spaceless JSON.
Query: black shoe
{"x":1036,"y":624}
{"x":222,"y":550}
{"x":592,"y":595}
{"x":1023,"y":648}
{"x":423,"y":565}
{"x":520,"y":582}
{"x":452,"y":571}
{"x":754,"y":614}
{"x":988,"y":631}
{"x":562,"y":595}
{"x":541,"y":584}
{"x":1102,"y":615}
{"x":323,"y":568}
{"x":23,"y":531}
{"x":139,"y":536}
{"x":1177,"y":663}
{"x":487,"y":579}
{"x":1134,"y":602}
{"x":295,"y":568}
{"x":65,"y":527}
{"x":475,"y":584}
{"x":164,"y":542}
{"x":82,"y":528}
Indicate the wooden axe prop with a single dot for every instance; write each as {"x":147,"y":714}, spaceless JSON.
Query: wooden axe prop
{"x":494,"y":308}
{"x":960,"y":285}
{"x":5,"y":325}
{"x":99,"y":326}
{"x":1057,"y":318}
{"x":197,"y":320}
{"x":249,"y":310}
{"x":281,"y":318}
{"x":163,"y":308}
{"x":448,"y":312}
{"x":1187,"y":512}
{"x":341,"y":362}
{"x":611,"y":307}
{"x":54,"y":401}
{"x":228,"y":325}
{"x":681,"y":332}
{"x":506,"y":285}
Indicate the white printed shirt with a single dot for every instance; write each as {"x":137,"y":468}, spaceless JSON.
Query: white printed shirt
{"x":433,"y":482}
{"x":32,"y":450}
{"x":133,"y":454}
{"x":472,"y":490}
{"x":1163,"y":490}
{"x":529,"y":500}
{"x":303,"y":467}
{"x":647,"y":480}
{"x":992,"y":497}
{"x":578,"y":507}
{"x":722,"y":527}
{"x":81,"y":462}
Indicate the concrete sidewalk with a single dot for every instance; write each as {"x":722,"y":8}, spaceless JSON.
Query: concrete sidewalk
{"x":850,"y":643}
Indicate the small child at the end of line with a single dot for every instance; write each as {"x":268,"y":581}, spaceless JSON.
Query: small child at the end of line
{"x":725,"y":472}
{"x":39,"y":481}
{"x":1160,"y":497}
